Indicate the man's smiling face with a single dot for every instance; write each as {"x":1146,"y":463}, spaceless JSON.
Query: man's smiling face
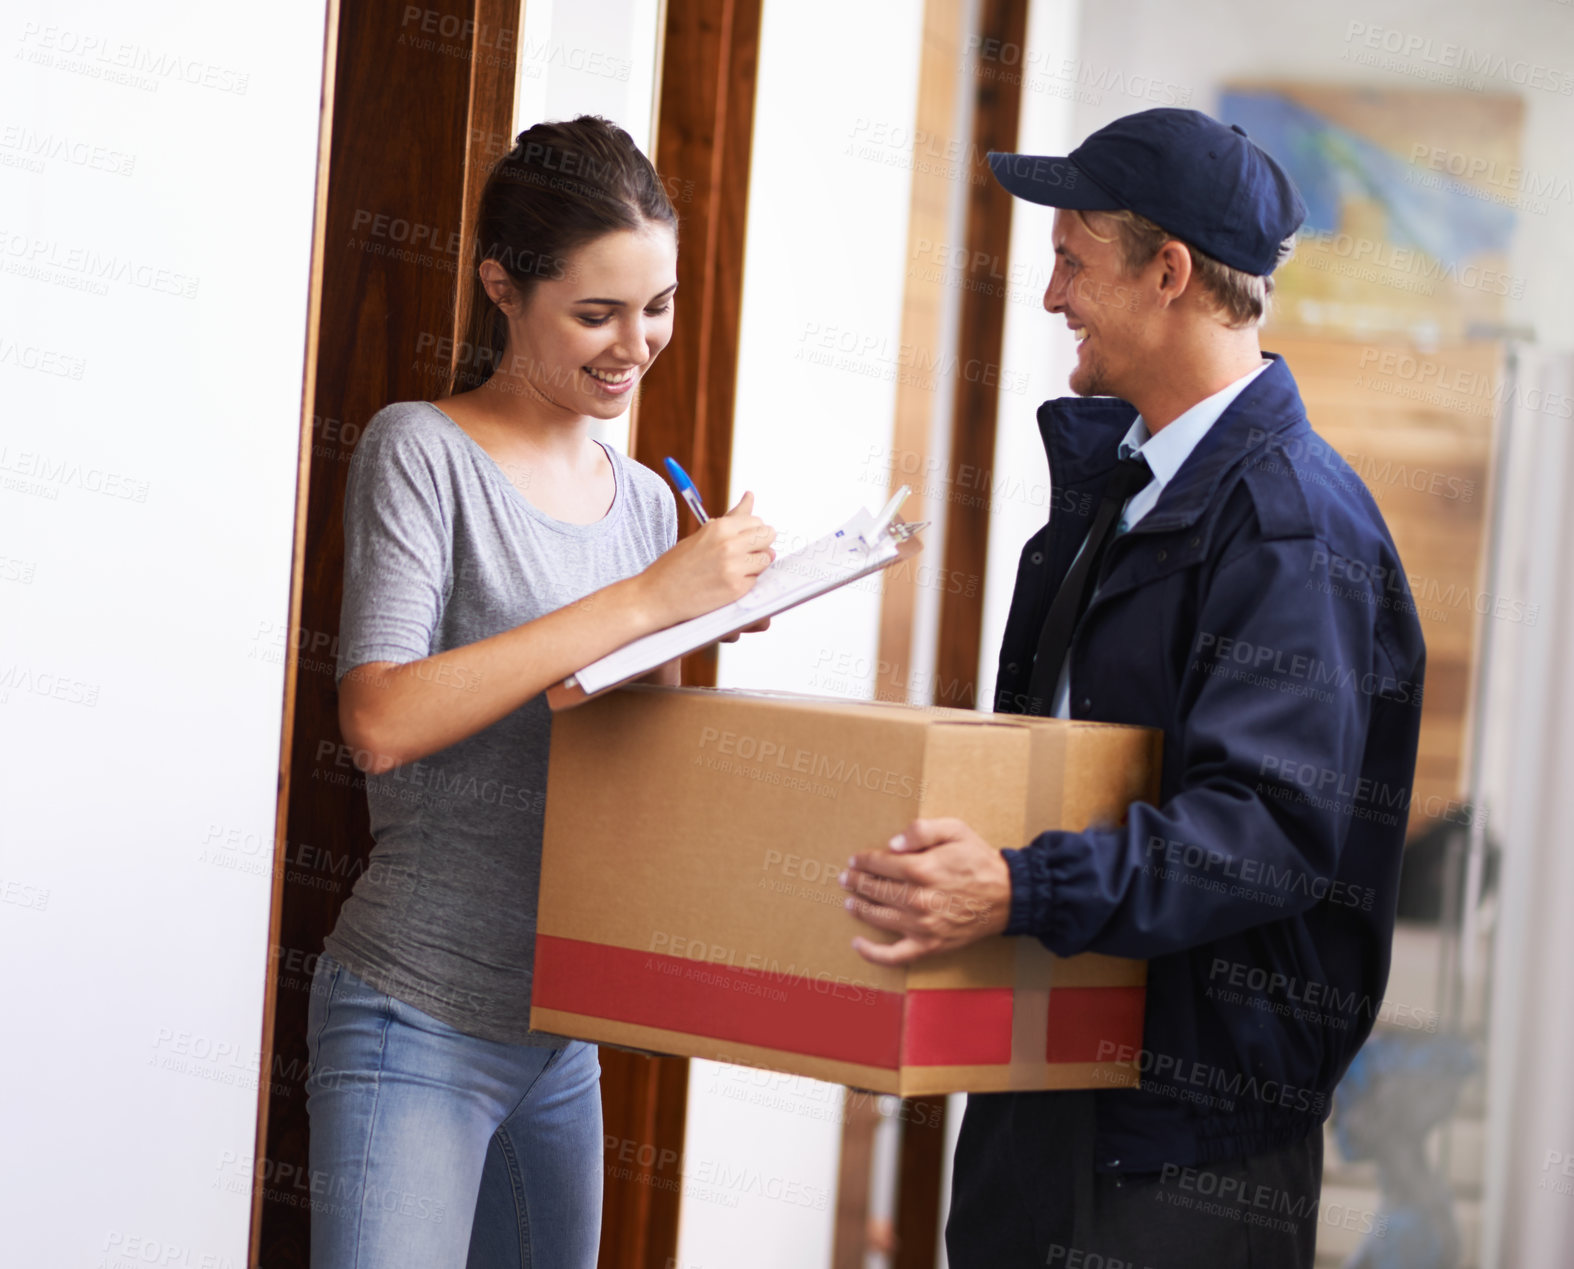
{"x":1102,"y":306}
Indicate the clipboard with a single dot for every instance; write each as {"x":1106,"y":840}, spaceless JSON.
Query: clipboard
{"x":864,"y":545}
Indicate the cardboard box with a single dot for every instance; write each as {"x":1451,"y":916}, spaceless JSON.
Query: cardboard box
{"x":690,"y":903}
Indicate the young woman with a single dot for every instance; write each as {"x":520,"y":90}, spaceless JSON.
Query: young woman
{"x":492,"y":547}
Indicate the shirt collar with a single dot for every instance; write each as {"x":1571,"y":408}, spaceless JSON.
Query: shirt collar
{"x":1166,"y":452}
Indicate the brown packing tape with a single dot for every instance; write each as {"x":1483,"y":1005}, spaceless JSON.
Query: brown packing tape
{"x":978,"y":774}
{"x":1035,"y":981}
{"x":1085,"y":773}
{"x":1047,"y":791}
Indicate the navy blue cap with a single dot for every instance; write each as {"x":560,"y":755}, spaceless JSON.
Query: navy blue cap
{"x":1209,"y":185}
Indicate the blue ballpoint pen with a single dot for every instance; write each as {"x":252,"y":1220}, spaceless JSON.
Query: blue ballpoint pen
{"x":687,"y":491}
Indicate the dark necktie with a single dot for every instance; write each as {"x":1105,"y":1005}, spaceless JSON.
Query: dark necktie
{"x":1054,"y":640}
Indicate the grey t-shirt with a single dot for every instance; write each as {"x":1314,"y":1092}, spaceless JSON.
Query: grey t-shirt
{"x":441,"y":550}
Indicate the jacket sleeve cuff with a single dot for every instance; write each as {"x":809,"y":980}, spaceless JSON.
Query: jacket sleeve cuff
{"x":1030,"y":889}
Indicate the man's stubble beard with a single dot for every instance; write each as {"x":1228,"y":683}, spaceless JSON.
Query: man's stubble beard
{"x":1092,"y":380}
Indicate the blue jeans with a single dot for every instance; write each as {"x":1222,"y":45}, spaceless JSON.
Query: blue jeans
{"x":433,"y":1149}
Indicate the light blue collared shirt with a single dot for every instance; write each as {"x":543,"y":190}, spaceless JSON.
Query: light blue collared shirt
{"x":1166,"y":454}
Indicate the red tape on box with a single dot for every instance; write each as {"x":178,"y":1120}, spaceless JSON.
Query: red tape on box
{"x":1092,"y":1024}
{"x":818,"y":1017}
{"x":848,"y":1022}
{"x":965,"y":1026}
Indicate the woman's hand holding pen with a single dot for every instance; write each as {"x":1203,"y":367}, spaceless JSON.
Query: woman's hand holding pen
{"x":711,"y":567}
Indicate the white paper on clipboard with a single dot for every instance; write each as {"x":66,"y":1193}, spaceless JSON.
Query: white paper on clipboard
{"x":864,"y":544}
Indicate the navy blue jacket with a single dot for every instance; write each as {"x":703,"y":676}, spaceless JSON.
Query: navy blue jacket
{"x":1259,"y":617}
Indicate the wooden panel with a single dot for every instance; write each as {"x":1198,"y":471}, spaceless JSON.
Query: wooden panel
{"x":644,"y":1102}
{"x":850,"y":1233}
{"x":918,"y":1194}
{"x":923,"y":305}
{"x":997,"y":105}
{"x":404,"y":104}
{"x":1417,"y":428}
{"x":491,"y":132}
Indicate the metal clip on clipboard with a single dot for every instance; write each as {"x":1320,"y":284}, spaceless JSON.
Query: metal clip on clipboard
{"x":887,"y":522}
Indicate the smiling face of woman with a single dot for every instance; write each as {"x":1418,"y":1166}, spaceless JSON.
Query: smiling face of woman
{"x":580,"y":343}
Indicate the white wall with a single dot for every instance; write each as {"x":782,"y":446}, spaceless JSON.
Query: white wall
{"x":157,"y":166}
{"x":596,"y":57}
{"x":824,"y":269}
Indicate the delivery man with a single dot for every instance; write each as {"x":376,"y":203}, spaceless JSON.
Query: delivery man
{"x":1213,"y":570}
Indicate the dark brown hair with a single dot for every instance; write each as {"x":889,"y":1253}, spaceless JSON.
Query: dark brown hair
{"x":562,"y":185}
